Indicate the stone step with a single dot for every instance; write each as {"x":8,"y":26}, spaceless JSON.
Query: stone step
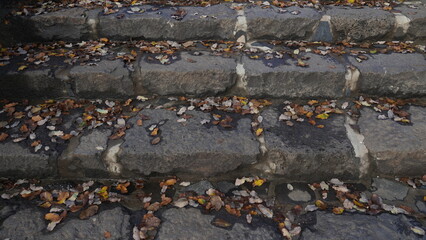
{"x":220,"y":22}
{"x":205,"y":73}
{"x":189,"y":142}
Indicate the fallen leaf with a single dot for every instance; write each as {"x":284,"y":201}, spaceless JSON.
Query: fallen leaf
{"x":218,"y":222}
{"x":216,"y":202}
{"x":418,"y":230}
{"x":122,"y":187}
{"x":88,"y":212}
{"x":53,"y":217}
{"x":155,"y":141}
{"x":181,"y":202}
{"x":320,"y":204}
{"x":22,"y":68}
{"x":258,"y":182}
{"x":3,"y":136}
{"x":259,"y":131}
{"x":322,"y":116}
{"x":107,"y":234}
{"x":62,"y":197}
{"x":46,"y":196}
{"x":338,"y":210}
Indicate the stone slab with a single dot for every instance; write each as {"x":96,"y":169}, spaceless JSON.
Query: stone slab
{"x":357,"y":25}
{"x":187,"y":148}
{"x":66,"y":25}
{"x":389,"y":190}
{"x":191,"y":224}
{"x":324,"y":77}
{"x":306,"y":153}
{"x":83,"y":156}
{"x":203,"y":23}
{"x":395,"y":74}
{"x":17,"y":161}
{"x":191,"y":75}
{"x":358,"y":226}
{"x":30,"y":224}
{"x":396,"y":149}
{"x":270,"y":23}
{"x":31,"y":83}
{"x":106,"y":79}
{"x":417,"y":16}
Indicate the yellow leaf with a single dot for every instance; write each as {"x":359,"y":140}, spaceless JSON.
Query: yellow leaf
{"x":351,"y":1}
{"x":22,"y":68}
{"x":312,"y":102}
{"x":323,"y":116}
{"x":338,"y":210}
{"x":259,"y":131}
{"x":258,"y":182}
{"x":201,"y":201}
{"x":103,"y":39}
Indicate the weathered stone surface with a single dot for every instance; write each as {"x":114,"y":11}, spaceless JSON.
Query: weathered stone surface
{"x":395,"y":148}
{"x":219,"y":23}
{"x":390,"y":190}
{"x":300,"y":193}
{"x":207,"y":75}
{"x":421,"y":206}
{"x":29,"y":224}
{"x":360,"y":24}
{"x":25,"y":224}
{"x":114,"y":221}
{"x":417,"y":16}
{"x":190,"y":224}
{"x":17,"y":161}
{"x":200,"y":187}
{"x":304,"y":152}
{"x":186,"y":147}
{"x":324,"y":77}
{"x":66,"y":25}
{"x":83,"y":158}
{"x":106,"y":79}
{"x":31,"y":83}
{"x":357,"y":226}
{"x":269,"y":23}
{"x":396,"y":74}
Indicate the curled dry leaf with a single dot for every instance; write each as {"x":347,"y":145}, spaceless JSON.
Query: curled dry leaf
{"x":221,"y":223}
{"x":216,"y":202}
{"x":88,"y":212}
{"x":3,"y":136}
{"x":46,"y":196}
{"x":155,"y":141}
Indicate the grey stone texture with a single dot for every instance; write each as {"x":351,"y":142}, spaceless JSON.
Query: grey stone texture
{"x":191,"y":224}
{"x":359,"y":25}
{"x":200,"y":187}
{"x":31,"y":83}
{"x":396,"y":149}
{"x":29,"y":224}
{"x":107,"y":78}
{"x":66,"y":25}
{"x":357,"y":226}
{"x":186,"y":147}
{"x":304,"y":152}
{"x":417,"y":16}
{"x":214,"y":22}
{"x":83,"y":157}
{"x":324,"y":77}
{"x":389,"y":190}
{"x":269,"y":23}
{"x":395,"y":74}
{"x":17,"y":161}
{"x":207,"y":75}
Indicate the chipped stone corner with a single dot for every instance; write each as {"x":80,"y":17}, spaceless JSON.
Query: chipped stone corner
{"x":110,"y":159}
{"x":361,"y":151}
{"x":352,"y":76}
{"x":402,"y":24}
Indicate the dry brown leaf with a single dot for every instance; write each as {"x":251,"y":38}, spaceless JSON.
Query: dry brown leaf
{"x":155,"y":141}
{"x":3,"y":136}
{"x":46,"y":196}
{"x":107,"y":234}
{"x":88,"y":212}
{"x":221,"y":223}
{"x":53,"y":217}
